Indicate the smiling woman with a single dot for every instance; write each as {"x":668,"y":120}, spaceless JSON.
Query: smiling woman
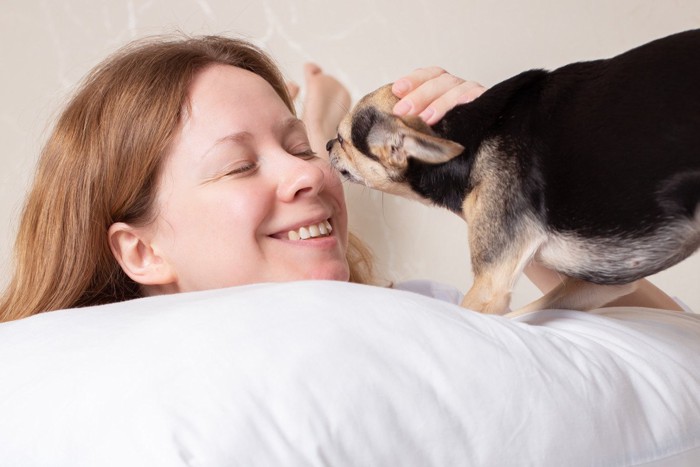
{"x":127,"y":201}
{"x":180,"y":165}
{"x":223,"y":216}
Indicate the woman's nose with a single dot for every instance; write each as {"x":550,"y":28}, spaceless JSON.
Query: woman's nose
{"x":300,"y":177}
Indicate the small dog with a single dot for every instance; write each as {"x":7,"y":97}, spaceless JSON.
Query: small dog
{"x":593,"y":169}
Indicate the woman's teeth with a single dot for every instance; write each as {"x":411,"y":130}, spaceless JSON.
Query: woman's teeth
{"x":322,"y":229}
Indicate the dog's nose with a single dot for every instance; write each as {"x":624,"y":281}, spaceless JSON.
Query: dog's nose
{"x":329,"y":144}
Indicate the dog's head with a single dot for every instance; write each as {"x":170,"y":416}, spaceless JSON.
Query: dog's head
{"x":373,"y":145}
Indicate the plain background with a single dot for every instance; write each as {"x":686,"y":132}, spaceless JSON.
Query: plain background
{"x":46,"y":47}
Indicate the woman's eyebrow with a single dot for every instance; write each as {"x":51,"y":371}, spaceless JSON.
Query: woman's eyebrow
{"x":240,"y":137}
{"x":290,"y":124}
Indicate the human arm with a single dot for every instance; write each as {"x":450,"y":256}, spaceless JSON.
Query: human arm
{"x":645,"y":294}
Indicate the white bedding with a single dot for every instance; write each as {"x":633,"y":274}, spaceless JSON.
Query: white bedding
{"x":328,"y":373}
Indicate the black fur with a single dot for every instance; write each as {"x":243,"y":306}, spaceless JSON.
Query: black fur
{"x":606,"y":150}
{"x":607,"y":138}
{"x":362,"y":123}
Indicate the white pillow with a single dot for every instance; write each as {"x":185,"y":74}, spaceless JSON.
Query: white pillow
{"x":329,"y":373}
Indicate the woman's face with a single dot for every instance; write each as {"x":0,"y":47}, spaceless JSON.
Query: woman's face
{"x":241,"y":189}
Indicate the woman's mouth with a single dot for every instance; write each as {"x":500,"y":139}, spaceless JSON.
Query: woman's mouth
{"x":322,"y":229}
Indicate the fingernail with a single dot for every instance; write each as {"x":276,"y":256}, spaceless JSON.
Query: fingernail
{"x":403,"y":107}
{"x":427,"y":113}
{"x":401,"y":87}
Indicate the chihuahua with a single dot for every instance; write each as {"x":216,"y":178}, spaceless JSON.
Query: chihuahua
{"x":592,"y":169}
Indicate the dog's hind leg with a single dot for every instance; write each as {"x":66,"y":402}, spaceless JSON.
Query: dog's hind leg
{"x":576,"y":294}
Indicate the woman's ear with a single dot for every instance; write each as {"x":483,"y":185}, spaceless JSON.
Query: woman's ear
{"x":132,"y":249}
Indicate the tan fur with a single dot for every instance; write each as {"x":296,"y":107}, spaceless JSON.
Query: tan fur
{"x":391,"y":164}
{"x":495,"y":280}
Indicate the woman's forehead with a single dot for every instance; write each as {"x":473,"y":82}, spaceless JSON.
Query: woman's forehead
{"x":230,"y":79}
{"x":229,"y":88}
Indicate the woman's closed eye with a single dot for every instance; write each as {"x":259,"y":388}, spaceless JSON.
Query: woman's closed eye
{"x":305,"y":153}
{"x":242,"y":168}
{"x":236,"y":170}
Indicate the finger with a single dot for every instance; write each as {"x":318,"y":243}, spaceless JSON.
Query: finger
{"x":413,"y":80}
{"x":462,"y":94}
{"x":418,"y":100}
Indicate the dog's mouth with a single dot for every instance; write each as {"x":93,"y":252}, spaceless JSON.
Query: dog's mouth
{"x":347,"y":175}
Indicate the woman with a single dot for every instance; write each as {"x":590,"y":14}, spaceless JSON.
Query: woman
{"x":179,"y":165}
{"x":105,"y":179}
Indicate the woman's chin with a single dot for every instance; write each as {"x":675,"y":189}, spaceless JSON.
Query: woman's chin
{"x":339,"y":272}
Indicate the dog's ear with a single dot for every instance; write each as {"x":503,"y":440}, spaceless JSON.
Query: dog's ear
{"x":394,"y":140}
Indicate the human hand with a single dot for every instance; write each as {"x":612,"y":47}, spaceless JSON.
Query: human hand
{"x":431,"y":92}
{"x":326,"y":102}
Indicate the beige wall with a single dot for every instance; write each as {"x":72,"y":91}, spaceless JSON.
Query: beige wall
{"x":48,"y":45}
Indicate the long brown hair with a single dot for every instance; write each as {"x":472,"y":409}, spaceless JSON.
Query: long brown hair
{"x":101,"y":164}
